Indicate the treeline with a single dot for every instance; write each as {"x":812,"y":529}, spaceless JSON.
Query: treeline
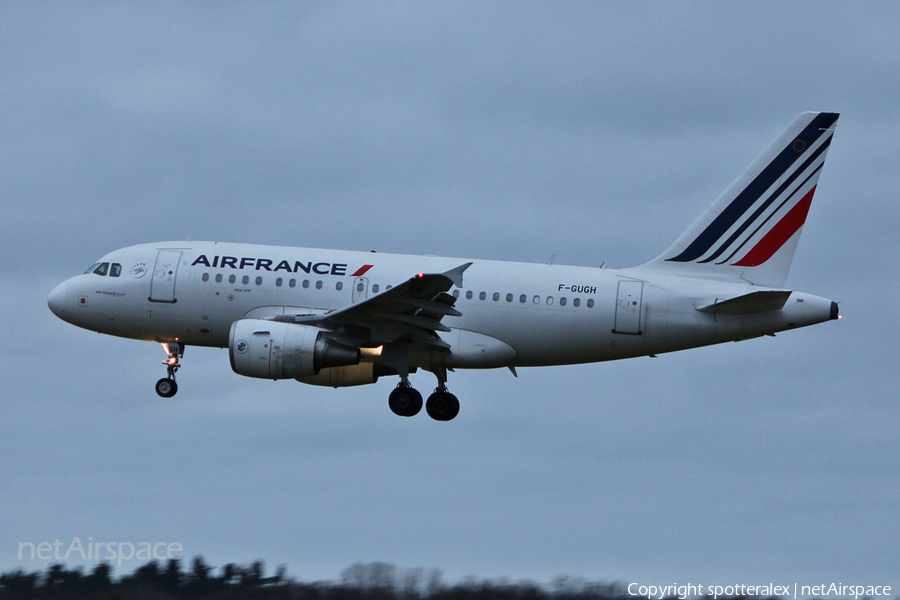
{"x":372,"y":581}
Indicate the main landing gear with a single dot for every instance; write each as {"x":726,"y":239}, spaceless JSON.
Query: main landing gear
{"x":442,"y":405}
{"x":166,"y":387}
{"x":406,"y":401}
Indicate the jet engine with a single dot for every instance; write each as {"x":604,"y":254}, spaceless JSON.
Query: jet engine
{"x":275,"y":350}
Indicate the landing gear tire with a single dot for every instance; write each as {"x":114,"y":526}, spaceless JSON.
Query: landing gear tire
{"x":442,"y":406}
{"x":405,"y":401}
{"x":166,"y":387}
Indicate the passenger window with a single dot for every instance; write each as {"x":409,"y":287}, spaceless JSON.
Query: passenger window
{"x":292,"y":283}
{"x":205,"y":277}
{"x":375,"y":289}
{"x":562,"y":301}
{"x":590,"y":303}
{"x":278,"y":282}
{"x":496,"y":296}
{"x":523,"y":298}
{"x":259,"y":281}
{"x":340,"y":285}
{"x":219,"y":278}
{"x":482,"y":296}
{"x":469,"y":295}
{"x":245,"y":279}
{"x":537,"y":300}
{"x":549,"y":300}
{"x":305,"y":283}
{"x":319,"y":284}
{"x":456,"y":293}
{"x":231,"y":279}
{"x":101,"y":269}
{"x":115,"y":270}
{"x":509,"y":297}
{"x":576,"y":302}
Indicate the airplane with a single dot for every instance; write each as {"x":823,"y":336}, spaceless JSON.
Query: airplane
{"x":345,"y":318}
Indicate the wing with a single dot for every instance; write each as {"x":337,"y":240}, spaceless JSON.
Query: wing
{"x":412,"y":310}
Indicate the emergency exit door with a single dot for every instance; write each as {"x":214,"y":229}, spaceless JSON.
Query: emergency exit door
{"x":360,"y":289}
{"x":628,"y":307}
{"x":162,"y":286}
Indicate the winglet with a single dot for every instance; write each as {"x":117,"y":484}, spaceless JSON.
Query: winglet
{"x":456,"y":275}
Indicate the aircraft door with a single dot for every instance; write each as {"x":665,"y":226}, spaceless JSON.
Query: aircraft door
{"x":360,"y":289}
{"x":628,"y":307}
{"x":162,"y":286}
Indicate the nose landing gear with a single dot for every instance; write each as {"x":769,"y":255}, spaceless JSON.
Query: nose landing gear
{"x":166,"y":387}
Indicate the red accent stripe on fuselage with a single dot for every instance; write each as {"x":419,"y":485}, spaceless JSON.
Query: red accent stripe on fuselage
{"x":362,"y":270}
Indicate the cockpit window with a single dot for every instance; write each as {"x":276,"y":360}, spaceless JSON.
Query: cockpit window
{"x":91,"y":268}
{"x":115,"y":270}
{"x":101,"y":269}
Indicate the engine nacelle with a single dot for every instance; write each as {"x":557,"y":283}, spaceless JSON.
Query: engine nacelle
{"x":361,"y":374}
{"x":275,"y":350}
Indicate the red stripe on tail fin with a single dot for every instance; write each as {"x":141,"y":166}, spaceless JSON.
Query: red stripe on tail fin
{"x":779,"y":234}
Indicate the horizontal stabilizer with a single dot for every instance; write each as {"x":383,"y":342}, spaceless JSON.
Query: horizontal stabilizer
{"x":755,"y":302}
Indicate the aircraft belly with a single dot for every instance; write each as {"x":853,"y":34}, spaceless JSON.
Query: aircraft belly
{"x":542,"y":337}
{"x":472,"y":350}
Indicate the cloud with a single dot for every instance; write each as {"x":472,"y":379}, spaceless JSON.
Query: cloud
{"x":596,"y":132}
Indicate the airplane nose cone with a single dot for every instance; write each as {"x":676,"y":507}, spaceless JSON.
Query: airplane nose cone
{"x":57,"y":300}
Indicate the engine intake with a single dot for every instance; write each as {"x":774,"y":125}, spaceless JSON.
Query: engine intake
{"x":274,"y":350}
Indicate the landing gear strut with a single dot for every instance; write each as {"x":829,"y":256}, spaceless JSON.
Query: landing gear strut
{"x":166,"y":387}
{"x":442,"y":405}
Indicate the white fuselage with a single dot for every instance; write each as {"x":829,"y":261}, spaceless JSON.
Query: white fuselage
{"x":513,"y":314}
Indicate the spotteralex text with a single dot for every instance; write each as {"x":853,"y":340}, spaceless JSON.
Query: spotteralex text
{"x":791,"y":590}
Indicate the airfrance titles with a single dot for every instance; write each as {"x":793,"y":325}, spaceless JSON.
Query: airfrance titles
{"x":268,"y":264}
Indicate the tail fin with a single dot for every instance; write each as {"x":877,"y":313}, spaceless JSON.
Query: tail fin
{"x":751,"y":231}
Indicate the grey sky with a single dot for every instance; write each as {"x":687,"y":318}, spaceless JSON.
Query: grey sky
{"x":596,"y":132}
